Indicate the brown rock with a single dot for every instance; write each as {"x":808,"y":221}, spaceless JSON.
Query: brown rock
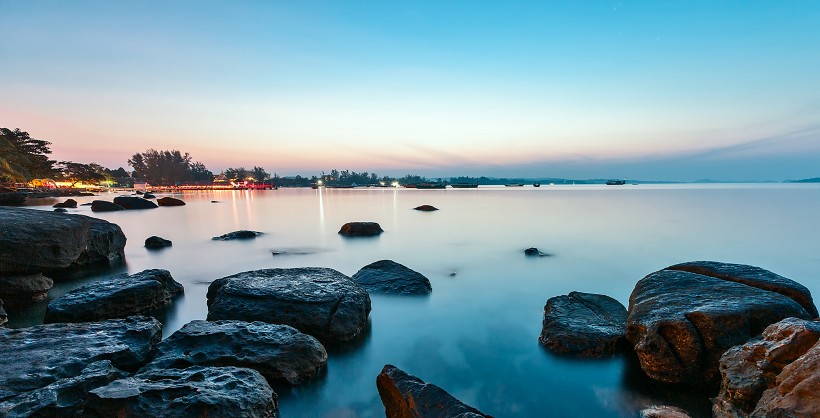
{"x":21,"y":290}
{"x":361,"y":229}
{"x":170,"y":201}
{"x":797,"y":393}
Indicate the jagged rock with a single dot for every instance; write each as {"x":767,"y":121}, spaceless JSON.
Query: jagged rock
{"x":133,"y":202}
{"x":21,"y":290}
{"x":44,"y":354}
{"x":63,"y":398}
{"x":663,"y":411}
{"x":757,"y":366}
{"x":387,"y":276}
{"x":584,"y":325}
{"x":170,"y":201}
{"x":192,"y":392}
{"x":407,"y":396}
{"x":426,"y":208}
{"x":35,"y":241}
{"x":318,"y":301}
{"x":104,"y":206}
{"x":119,"y":296}
{"x":532,"y":251}
{"x":681,"y":322}
{"x":69,"y":203}
{"x":157,"y":242}
{"x":243,"y":234}
{"x":796,"y":393}
{"x":279,"y":352}
{"x":361,"y":229}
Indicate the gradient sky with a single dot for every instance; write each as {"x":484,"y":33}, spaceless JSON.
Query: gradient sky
{"x":676,"y":90}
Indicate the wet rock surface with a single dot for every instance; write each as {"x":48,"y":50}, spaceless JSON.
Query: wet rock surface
{"x":155,"y":242}
{"x":680,"y":323}
{"x":21,"y":290}
{"x":242,"y":234}
{"x":119,"y":296}
{"x":387,"y":276}
{"x":584,"y":325}
{"x":105,"y":206}
{"x":69,"y":203}
{"x":317,"y":301}
{"x":192,"y":392}
{"x":35,"y":241}
{"x":663,"y":411}
{"x":425,"y":208}
{"x":170,"y":201}
{"x":280,"y":353}
{"x":361,"y":229}
{"x":405,"y":395}
{"x":4,"y":317}
{"x":133,"y":202}
{"x":760,"y":365}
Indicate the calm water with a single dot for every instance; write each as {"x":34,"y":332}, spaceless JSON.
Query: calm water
{"x":477,"y":334}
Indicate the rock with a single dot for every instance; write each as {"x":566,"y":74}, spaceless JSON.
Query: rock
{"x":157,"y":242}
{"x":35,"y":241}
{"x":170,"y":201}
{"x":243,"y":234}
{"x":387,"y":276}
{"x":796,"y":393}
{"x":149,"y":196}
{"x":757,"y":366}
{"x":426,"y":208}
{"x":133,"y":202}
{"x":22,"y":290}
{"x":681,"y":323}
{"x":318,"y":301}
{"x":119,"y":296}
{"x":215,"y":201}
{"x":86,"y":204}
{"x":69,"y":203}
{"x":407,"y":396}
{"x":192,"y":392}
{"x":103,"y":206}
{"x":4,"y":317}
{"x":361,"y":229}
{"x":63,"y":398}
{"x":534,"y":252}
{"x":61,"y":210}
{"x":47,"y":353}
{"x":13,"y":198}
{"x":584,"y":325}
{"x":280,"y":353}
{"x":663,"y":411}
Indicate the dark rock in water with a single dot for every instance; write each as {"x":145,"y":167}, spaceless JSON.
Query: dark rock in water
{"x":215,"y":201}
{"x":192,"y":392}
{"x":318,"y":301}
{"x":760,"y":365}
{"x":65,"y":397}
{"x":157,"y":242}
{"x":13,"y":198}
{"x":117,"y":297}
{"x":243,"y":234}
{"x":149,"y":196}
{"x":69,"y":203}
{"x":405,"y":395}
{"x":663,"y":411}
{"x":584,"y":324}
{"x":426,"y":208}
{"x":85,"y":194}
{"x":361,"y":229}
{"x":681,"y":323}
{"x":532,"y":251}
{"x":387,"y":276}
{"x":752,"y":276}
{"x":132,"y":202}
{"x":44,"y":354}
{"x":21,"y":290}
{"x":104,"y":206}
{"x":280,"y":353}
{"x":61,"y":210}
{"x":170,"y":201}
{"x":86,"y":204}
{"x":139,"y":192}
{"x":35,"y":241}
{"x":4,"y":317}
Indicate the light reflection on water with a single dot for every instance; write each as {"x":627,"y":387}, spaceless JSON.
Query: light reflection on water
{"x":476,"y":335}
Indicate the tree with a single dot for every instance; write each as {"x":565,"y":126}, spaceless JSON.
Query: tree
{"x":24,"y":158}
{"x":162,"y":167}
{"x":259,"y":174}
{"x":79,"y":172}
{"x":200,"y":173}
{"x":237,"y":173}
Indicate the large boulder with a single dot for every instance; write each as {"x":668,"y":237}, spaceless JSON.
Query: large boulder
{"x":241,"y":234}
{"x":13,"y":198}
{"x":759,"y":366}
{"x":69,"y":203}
{"x":280,"y":353}
{"x":680,"y":323}
{"x":35,"y":241}
{"x":407,"y":396}
{"x":361,"y":229}
{"x":387,"y":276}
{"x":133,"y":202}
{"x":584,"y":325}
{"x":22,"y":290}
{"x":43,"y":354}
{"x":318,"y":301}
{"x":119,"y":296}
{"x":170,"y":201}
{"x":193,"y":392}
{"x":105,"y":206}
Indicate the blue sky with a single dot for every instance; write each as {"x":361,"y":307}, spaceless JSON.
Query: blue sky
{"x":664,"y":90}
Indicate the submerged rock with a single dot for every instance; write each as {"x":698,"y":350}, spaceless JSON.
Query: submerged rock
{"x":119,"y":296}
{"x":426,"y":208}
{"x":22,"y":290}
{"x":279,"y":352}
{"x":318,"y":301}
{"x":405,"y":395}
{"x":157,"y":242}
{"x":681,"y":322}
{"x":192,"y":392}
{"x":242,"y":234}
{"x":104,"y":206}
{"x":69,"y":203}
{"x":387,"y":276}
{"x":133,"y":202}
{"x":361,"y":229}
{"x":584,"y":325}
{"x":35,"y":241}
{"x":170,"y":201}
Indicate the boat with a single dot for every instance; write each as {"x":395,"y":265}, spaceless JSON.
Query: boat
{"x":536,"y":185}
{"x":514,"y":185}
{"x":431,"y":186}
{"x":464,"y":185}
{"x":615,"y":182}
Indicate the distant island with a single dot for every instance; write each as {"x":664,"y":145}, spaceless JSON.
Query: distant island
{"x":811,"y":180}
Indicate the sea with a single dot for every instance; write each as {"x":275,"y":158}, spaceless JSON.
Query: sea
{"x":476,"y":334}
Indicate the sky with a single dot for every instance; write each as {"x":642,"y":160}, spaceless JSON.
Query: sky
{"x":672,"y":90}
